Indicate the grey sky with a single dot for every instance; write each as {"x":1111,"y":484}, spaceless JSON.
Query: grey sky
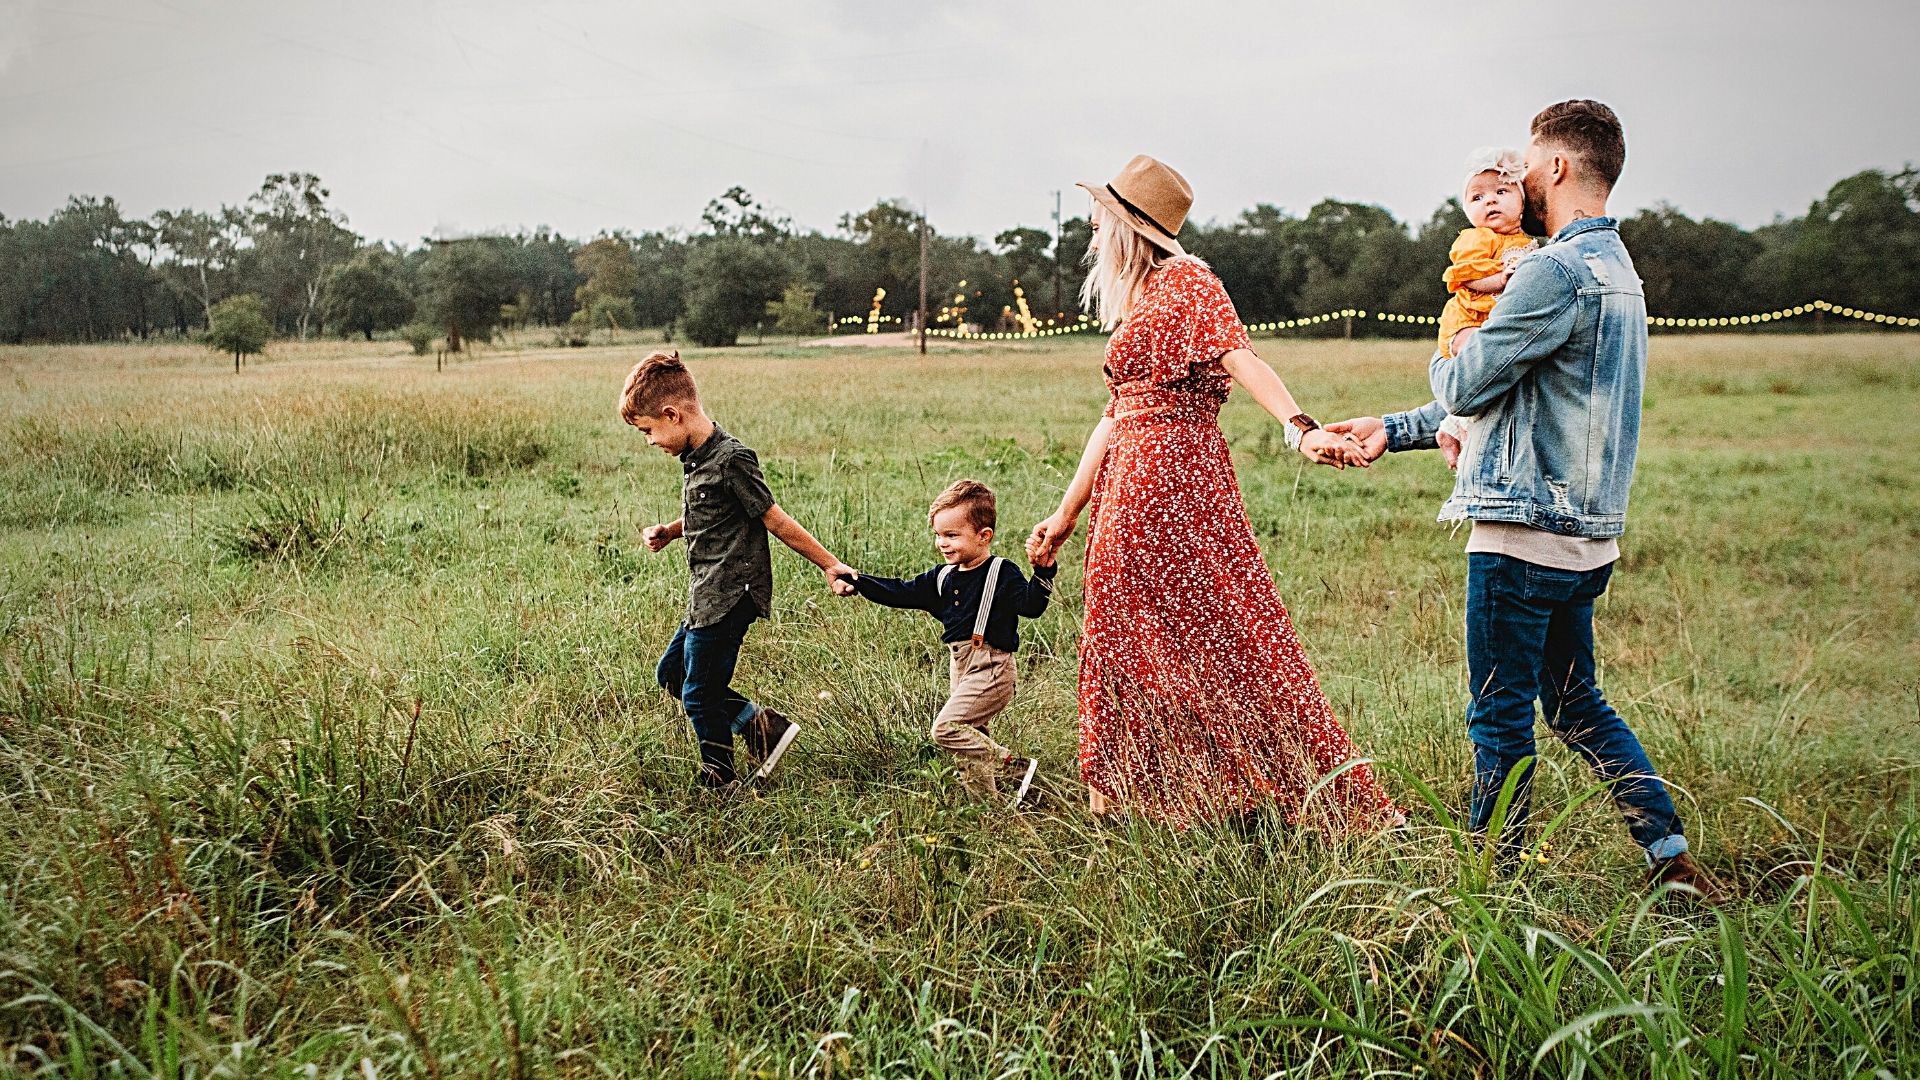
{"x":587,"y":115}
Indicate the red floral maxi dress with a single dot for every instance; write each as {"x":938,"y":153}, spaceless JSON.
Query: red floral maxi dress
{"x":1196,"y":699}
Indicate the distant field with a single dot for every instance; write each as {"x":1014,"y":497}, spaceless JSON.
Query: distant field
{"x":328,"y":738}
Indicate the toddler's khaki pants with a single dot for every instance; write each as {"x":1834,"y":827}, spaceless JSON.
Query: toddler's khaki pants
{"x":982,"y":679}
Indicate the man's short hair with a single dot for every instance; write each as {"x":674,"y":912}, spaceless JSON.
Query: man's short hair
{"x":655,"y":383}
{"x":972,"y":494}
{"x":1587,"y":130}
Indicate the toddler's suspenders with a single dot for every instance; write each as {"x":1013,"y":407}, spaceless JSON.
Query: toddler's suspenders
{"x":986,"y":595}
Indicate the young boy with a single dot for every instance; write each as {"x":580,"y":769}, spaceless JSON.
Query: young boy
{"x":726,"y":513}
{"x":979,"y":598}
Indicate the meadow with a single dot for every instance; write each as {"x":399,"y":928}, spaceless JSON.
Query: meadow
{"x":329,"y":742}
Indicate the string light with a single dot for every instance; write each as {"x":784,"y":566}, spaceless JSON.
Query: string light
{"x":1086,"y":323}
{"x":1784,"y":313}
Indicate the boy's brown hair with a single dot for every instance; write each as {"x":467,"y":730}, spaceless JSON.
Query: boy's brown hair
{"x":982,"y":510}
{"x":655,"y":383}
{"x":1589,"y":131}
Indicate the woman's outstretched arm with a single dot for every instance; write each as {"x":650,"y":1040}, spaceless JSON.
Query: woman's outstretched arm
{"x":1053,"y":532}
{"x":1264,"y":385}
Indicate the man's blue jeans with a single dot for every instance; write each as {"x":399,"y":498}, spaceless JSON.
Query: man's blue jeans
{"x":696,"y":669}
{"x":1530,"y":637}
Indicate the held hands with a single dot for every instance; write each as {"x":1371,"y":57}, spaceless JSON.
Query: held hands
{"x":657,"y":537}
{"x":1369,"y":432}
{"x":1339,"y":449}
{"x":1048,"y":536}
{"x":840,"y":578}
{"x":1044,"y":558}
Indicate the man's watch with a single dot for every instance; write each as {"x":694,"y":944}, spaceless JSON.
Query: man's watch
{"x":1297,"y":427}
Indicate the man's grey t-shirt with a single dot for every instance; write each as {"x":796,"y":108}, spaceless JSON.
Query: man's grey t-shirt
{"x":722,"y":500}
{"x":1542,"y":548}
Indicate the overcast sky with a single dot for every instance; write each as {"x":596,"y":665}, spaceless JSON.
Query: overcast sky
{"x":585,"y":115}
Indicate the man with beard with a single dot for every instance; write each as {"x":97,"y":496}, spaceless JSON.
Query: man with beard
{"x":1554,"y":379}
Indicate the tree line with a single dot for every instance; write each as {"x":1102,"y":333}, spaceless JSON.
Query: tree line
{"x":286,"y":260}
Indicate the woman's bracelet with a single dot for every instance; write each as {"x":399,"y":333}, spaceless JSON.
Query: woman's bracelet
{"x":1297,"y":427}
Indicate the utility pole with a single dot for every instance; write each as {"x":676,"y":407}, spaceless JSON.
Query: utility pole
{"x":1057,"y":309}
{"x":923,"y":281}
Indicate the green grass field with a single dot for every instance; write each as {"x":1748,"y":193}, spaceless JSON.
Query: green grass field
{"x":329,"y":744}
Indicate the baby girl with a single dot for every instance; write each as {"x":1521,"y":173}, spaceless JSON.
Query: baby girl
{"x":1481,"y":260}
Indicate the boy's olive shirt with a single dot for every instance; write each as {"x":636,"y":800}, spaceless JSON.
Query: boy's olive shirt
{"x":722,"y":499}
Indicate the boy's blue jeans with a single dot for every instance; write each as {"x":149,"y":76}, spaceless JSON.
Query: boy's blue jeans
{"x":696,"y":669}
{"x":1530,"y":636}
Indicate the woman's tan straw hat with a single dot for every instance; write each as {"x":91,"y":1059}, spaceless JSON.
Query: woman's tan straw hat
{"x":1151,"y":197}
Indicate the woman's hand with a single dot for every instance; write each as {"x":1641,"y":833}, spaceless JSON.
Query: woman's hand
{"x":1048,"y":536}
{"x":1324,"y":447}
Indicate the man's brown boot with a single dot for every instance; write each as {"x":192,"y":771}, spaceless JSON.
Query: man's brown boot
{"x":1682,"y":870}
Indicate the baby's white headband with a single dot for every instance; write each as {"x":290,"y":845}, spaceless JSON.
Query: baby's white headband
{"x":1505,"y":161}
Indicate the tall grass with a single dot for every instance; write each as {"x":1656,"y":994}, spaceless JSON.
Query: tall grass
{"x":351,"y":764}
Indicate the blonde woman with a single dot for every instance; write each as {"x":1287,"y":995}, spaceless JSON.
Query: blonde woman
{"x":1196,"y":699}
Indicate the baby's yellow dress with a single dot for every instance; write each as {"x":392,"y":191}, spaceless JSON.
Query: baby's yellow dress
{"x":1476,"y":253}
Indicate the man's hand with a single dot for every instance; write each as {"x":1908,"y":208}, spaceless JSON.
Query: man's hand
{"x":1047,"y":538}
{"x":659,"y":536}
{"x":1369,"y":431}
{"x":840,"y":578}
{"x":1449,"y":449}
{"x":1336,"y":448}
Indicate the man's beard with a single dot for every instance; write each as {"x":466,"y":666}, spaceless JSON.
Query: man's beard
{"x":1533,"y":212}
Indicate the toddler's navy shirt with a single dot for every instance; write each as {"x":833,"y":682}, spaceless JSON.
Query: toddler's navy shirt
{"x":958,"y":605}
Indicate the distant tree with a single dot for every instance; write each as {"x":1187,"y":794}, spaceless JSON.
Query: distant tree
{"x":542,"y":264}
{"x":79,"y":275}
{"x":737,"y":214}
{"x":1076,"y":235}
{"x":610,"y":280}
{"x":297,"y":240}
{"x":730,"y":279}
{"x":1860,"y":245}
{"x":1419,"y":290}
{"x":465,"y":284}
{"x":659,"y":294}
{"x":794,"y":312}
{"x":1027,"y":252}
{"x":203,"y":249}
{"x":368,"y":293}
{"x":1688,"y":268}
{"x":888,"y":234}
{"x":835,"y":268}
{"x":239,"y":326}
{"x":1258,"y":258}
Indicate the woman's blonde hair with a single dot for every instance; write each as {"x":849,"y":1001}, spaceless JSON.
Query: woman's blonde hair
{"x":1118,"y":270}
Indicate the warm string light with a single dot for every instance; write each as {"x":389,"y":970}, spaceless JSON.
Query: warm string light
{"x":1786,"y":313}
{"x":1085,"y":323}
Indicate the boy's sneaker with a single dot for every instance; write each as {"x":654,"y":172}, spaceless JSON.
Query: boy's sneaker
{"x":768,"y":737}
{"x":1019,"y":770}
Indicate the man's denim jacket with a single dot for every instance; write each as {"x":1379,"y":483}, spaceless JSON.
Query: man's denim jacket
{"x":1553,"y":379}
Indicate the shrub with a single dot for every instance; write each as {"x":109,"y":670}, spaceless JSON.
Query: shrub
{"x":419,"y":335}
